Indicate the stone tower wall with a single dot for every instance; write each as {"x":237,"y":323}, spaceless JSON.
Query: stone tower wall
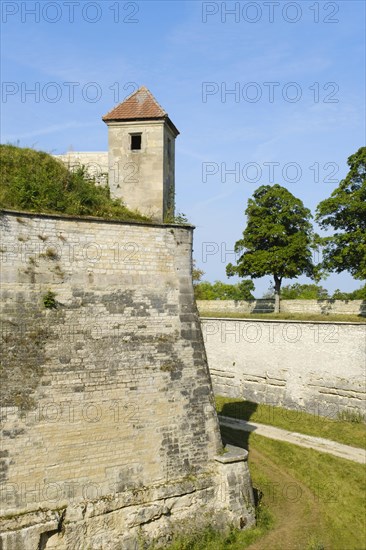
{"x":169,"y":172}
{"x":138,"y":177}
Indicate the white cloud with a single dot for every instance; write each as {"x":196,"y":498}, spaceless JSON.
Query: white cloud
{"x":48,"y":130}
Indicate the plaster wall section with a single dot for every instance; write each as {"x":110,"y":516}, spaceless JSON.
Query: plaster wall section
{"x":316,"y":367}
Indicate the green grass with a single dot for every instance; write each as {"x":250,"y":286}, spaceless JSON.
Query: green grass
{"x":37,"y":182}
{"x":317,"y":500}
{"x":346,"y":318}
{"x":235,"y":539}
{"x":209,"y":539}
{"x":349,"y":433}
{"x":308,"y":501}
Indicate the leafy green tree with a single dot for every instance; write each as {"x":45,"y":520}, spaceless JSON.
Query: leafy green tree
{"x":269,"y":294}
{"x":345,"y":211}
{"x":304,"y":292}
{"x":358,"y":294}
{"x":203,"y":291}
{"x":197,"y":273}
{"x":223,"y":291}
{"x":277,"y":240}
{"x":245,"y":289}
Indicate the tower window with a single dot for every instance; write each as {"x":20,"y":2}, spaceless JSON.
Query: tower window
{"x":135,"y":142}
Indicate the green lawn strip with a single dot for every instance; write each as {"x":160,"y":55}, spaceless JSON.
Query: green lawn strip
{"x":338,"y":486}
{"x":291,"y":507}
{"x":347,"y":318}
{"x":308,"y":501}
{"x":348,"y":433}
{"x":327,"y":494}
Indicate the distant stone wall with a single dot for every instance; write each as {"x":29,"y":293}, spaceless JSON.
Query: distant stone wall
{"x":109,"y":431}
{"x":311,"y":366}
{"x":95,"y":162}
{"x":355,"y":307}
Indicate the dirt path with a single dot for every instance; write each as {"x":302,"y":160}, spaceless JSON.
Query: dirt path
{"x":317,"y":443}
{"x":296,"y":513}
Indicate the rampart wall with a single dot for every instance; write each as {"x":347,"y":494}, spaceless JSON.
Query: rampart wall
{"x":109,"y":432}
{"x":355,"y":307}
{"x":318,"y":367}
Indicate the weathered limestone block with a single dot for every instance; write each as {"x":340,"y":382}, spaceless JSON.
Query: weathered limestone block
{"x":29,"y":537}
{"x":236,"y":493}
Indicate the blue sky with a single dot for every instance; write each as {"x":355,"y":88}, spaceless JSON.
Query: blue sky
{"x":295,"y":114}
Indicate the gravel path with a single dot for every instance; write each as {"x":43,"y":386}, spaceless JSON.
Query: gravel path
{"x":317,"y":443}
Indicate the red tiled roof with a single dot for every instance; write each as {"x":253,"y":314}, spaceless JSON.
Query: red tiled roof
{"x":139,"y":105}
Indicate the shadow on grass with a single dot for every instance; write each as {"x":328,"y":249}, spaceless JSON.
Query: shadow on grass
{"x":235,"y":437}
{"x":240,"y":410}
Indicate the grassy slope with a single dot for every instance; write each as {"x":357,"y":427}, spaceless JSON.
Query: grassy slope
{"x":349,"y":433}
{"x":37,"y":182}
{"x":349,"y":318}
{"x":309,"y":501}
{"x":316,"y":500}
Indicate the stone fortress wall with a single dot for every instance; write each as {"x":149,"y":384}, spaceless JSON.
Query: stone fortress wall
{"x":319,"y":367}
{"x":109,"y":432}
{"x":95,"y":162}
{"x":353,"y":307}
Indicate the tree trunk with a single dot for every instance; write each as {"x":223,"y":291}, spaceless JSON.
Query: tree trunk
{"x":277,"y":289}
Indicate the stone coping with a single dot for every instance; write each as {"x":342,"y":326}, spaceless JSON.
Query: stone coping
{"x":258,"y":320}
{"x":68,"y":217}
{"x":232,"y":454}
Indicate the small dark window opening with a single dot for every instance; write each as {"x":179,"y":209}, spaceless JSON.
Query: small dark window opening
{"x":135,"y":142}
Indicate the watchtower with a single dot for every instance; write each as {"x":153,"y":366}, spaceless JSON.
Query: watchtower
{"x":141,"y":155}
